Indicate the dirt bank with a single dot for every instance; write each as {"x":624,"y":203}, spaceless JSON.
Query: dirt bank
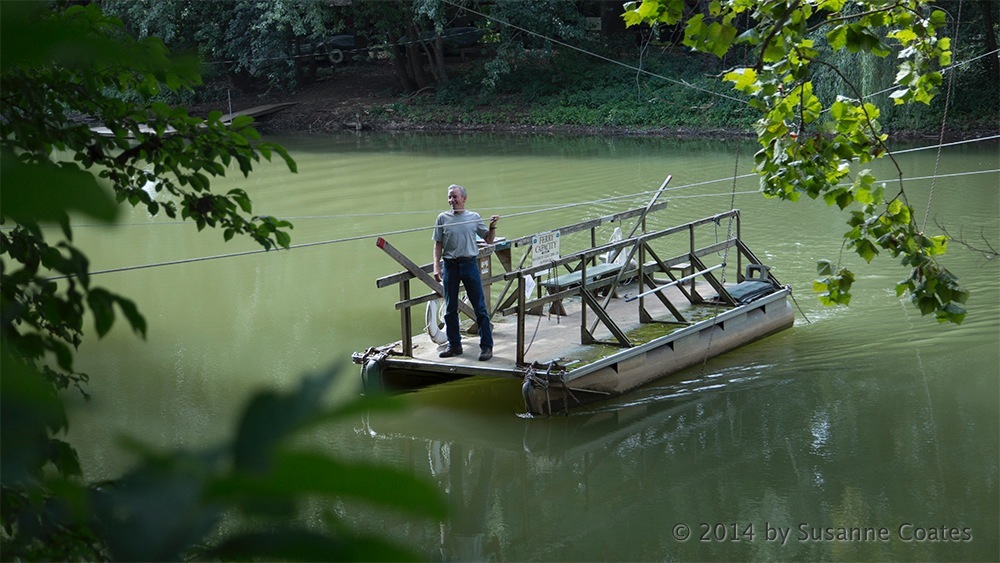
{"x":344,"y":101}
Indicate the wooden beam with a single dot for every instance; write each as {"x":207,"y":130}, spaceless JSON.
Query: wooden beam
{"x":710,"y":278}
{"x":420,"y":274}
{"x":602,"y":315}
{"x":405,"y":319}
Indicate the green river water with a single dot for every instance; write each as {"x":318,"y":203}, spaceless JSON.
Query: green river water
{"x":869,"y":419}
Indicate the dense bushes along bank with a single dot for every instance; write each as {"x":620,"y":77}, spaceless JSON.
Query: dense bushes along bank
{"x":676,"y":92}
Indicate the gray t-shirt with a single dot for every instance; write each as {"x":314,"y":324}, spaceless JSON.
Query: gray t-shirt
{"x":457,"y":233}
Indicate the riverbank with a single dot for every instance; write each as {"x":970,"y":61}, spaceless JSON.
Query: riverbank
{"x":371,"y":102}
{"x":367,"y":98}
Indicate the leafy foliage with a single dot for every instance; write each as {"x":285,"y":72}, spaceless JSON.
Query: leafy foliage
{"x":809,"y":146}
{"x":55,"y":84}
{"x":557,"y":19}
{"x":273,"y":43}
{"x":260,"y":478}
{"x":62,"y":72}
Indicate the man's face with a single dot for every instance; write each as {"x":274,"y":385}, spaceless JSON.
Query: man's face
{"x":455,"y":200}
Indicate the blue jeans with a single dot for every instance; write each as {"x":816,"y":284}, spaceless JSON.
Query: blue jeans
{"x":466,"y":272}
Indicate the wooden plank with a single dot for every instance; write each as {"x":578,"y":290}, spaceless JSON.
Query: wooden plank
{"x":420,"y":274}
{"x":414,"y":301}
{"x":392,"y":279}
{"x":594,"y":273}
{"x":257,"y":111}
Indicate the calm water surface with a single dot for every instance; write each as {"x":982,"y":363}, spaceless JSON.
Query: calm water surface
{"x":868,"y":417}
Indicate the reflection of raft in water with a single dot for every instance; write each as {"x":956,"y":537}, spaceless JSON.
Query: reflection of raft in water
{"x":599,"y":337}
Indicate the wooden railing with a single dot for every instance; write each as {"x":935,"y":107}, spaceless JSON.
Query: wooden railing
{"x":640,"y":246}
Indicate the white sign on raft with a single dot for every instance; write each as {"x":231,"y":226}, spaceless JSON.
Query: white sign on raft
{"x":544,"y":248}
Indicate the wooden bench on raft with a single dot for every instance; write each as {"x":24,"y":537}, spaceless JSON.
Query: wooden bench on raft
{"x":599,"y":275}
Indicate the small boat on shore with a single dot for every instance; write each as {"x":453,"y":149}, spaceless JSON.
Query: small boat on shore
{"x":593,"y":323}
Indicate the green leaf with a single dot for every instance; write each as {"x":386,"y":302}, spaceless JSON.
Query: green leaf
{"x":952,"y":312}
{"x":904,"y":36}
{"x":48,"y":193}
{"x":895,"y":206}
{"x":241,"y":122}
{"x":926,"y":304}
{"x":271,"y":417}
{"x":902,"y":287}
{"x":283,"y":238}
{"x":744,"y":79}
{"x":242,"y":199}
{"x":289,"y":161}
{"x":938,"y":245}
{"x":824,"y":268}
{"x":296,"y":474}
{"x":155,"y":512}
{"x":101,"y":305}
{"x":131,"y":312}
{"x":29,"y":410}
{"x":632,"y":17}
{"x":295,"y":544}
{"x":837,"y":37}
{"x":694,"y":30}
{"x":866,"y":249}
{"x":65,"y":458}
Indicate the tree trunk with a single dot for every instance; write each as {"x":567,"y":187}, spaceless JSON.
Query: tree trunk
{"x":992,"y":62}
{"x":297,"y":60}
{"x":399,"y":65}
{"x":413,"y":58}
{"x":612,"y":23}
{"x":437,"y":59}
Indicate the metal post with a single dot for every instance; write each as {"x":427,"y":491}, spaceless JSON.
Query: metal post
{"x":405,"y":318}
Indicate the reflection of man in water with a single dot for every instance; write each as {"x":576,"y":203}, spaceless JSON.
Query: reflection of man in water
{"x":455,"y":242}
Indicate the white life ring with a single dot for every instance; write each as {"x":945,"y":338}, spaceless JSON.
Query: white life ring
{"x":336,"y":56}
{"x":432,"y":323}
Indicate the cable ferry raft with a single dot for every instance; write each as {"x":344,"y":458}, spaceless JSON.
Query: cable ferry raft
{"x":590,"y":324}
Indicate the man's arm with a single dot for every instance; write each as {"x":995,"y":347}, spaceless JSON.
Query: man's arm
{"x":492,"y":232}
{"x":438,"y":248}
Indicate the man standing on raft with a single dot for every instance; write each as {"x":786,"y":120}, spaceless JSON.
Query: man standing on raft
{"x":454,"y":238}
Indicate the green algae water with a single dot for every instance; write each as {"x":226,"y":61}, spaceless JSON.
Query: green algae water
{"x":862,"y":433}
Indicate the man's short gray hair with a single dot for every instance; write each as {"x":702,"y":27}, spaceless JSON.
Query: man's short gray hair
{"x":460,"y":189}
